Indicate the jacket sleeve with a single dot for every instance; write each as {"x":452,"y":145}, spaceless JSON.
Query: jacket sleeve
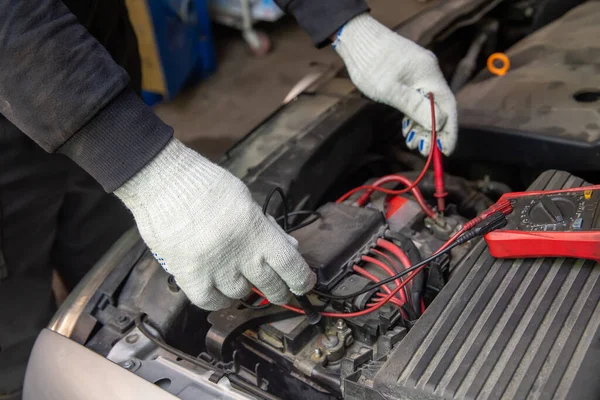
{"x":62,"y":89}
{"x":322,"y":18}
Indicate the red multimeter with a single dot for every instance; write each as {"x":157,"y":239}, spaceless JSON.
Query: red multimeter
{"x":556,"y":223}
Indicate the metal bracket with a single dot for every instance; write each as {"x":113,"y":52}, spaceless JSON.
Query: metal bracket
{"x":229,"y":323}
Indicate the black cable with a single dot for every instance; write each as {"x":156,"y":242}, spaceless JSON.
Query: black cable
{"x":286,"y":215}
{"x":140,"y":324}
{"x":387,"y":280}
{"x":300,"y":212}
{"x":308,"y":221}
{"x":234,"y":379}
{"x":279,"y":190}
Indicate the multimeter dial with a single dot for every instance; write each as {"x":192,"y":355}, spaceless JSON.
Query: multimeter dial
{"x":560,"y":212}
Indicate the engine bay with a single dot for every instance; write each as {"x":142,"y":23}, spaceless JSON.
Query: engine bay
{"x":465,"y":325}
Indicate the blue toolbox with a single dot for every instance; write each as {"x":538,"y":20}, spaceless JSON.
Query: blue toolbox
{"x":176,"y":45}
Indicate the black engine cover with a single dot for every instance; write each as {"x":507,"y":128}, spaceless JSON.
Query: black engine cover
{"x":545,"y":113}
{"x":330,"y":244}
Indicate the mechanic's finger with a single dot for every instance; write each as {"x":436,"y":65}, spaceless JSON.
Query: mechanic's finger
{"x":235,"y":287}
{"x":268,"y":282}
{"x":425,"y":144}
{"x":407,"y":125}
{"x":290,"y":239}
{"x":292,"y":268}
{"x":210,"y":300}
{"x":449,"y":136}
{"x":414,"y":136}
{"x":446,"y":142}
{"x":416,"y":105}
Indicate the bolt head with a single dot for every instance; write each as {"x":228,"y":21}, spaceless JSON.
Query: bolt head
{"x":128,"y":364}
{"x":132,"y":338}
{"x":317,"y":352}
{"x":329,"y":342}
{"x":340,"y":324}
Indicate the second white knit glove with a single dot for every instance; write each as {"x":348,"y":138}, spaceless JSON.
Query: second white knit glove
{"x":396,"y":71}
{"x":205,"y":229}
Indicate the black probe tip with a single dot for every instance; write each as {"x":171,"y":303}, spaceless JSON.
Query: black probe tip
{"x":313,"y":316}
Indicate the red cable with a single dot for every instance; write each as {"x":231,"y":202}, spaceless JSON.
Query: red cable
{"x":371,"y":188}
{"x":404,"y":293}
{"x":388,"y":259}
{"x":396,"y":251}
{"x":405,"y":181}
{"x":402,"y":312}
{"x":373,"y":278}
{"x":380,"y":295}
{"x":391,"y":178}
{"x":387,"y":269}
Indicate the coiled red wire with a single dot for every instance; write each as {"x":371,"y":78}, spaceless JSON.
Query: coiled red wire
{"x":403,"y":293}
{"x":387,"y":270}
{"x":410,"y":185}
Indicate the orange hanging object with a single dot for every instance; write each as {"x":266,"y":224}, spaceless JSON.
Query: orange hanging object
{"x":498,"y":64}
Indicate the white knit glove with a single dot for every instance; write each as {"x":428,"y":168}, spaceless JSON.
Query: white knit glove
{"x":204,"y":228}
{"x":396,"y":71}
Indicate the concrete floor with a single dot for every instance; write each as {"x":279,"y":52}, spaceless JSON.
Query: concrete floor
{"x":214,"y":114}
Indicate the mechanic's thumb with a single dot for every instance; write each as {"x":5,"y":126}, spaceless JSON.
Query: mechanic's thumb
{"x":416,"y":105}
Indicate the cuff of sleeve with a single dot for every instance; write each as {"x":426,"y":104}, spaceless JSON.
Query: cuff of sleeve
{"x":321,"y":19}
{"x":119,"y":141}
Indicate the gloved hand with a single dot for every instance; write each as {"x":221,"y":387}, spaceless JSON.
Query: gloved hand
{"x":205,"y":229}
{"x":396,"y":71}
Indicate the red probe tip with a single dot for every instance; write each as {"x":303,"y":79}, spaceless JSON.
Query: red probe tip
{"x":438,"y":167}
{"x":438,"y":173}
